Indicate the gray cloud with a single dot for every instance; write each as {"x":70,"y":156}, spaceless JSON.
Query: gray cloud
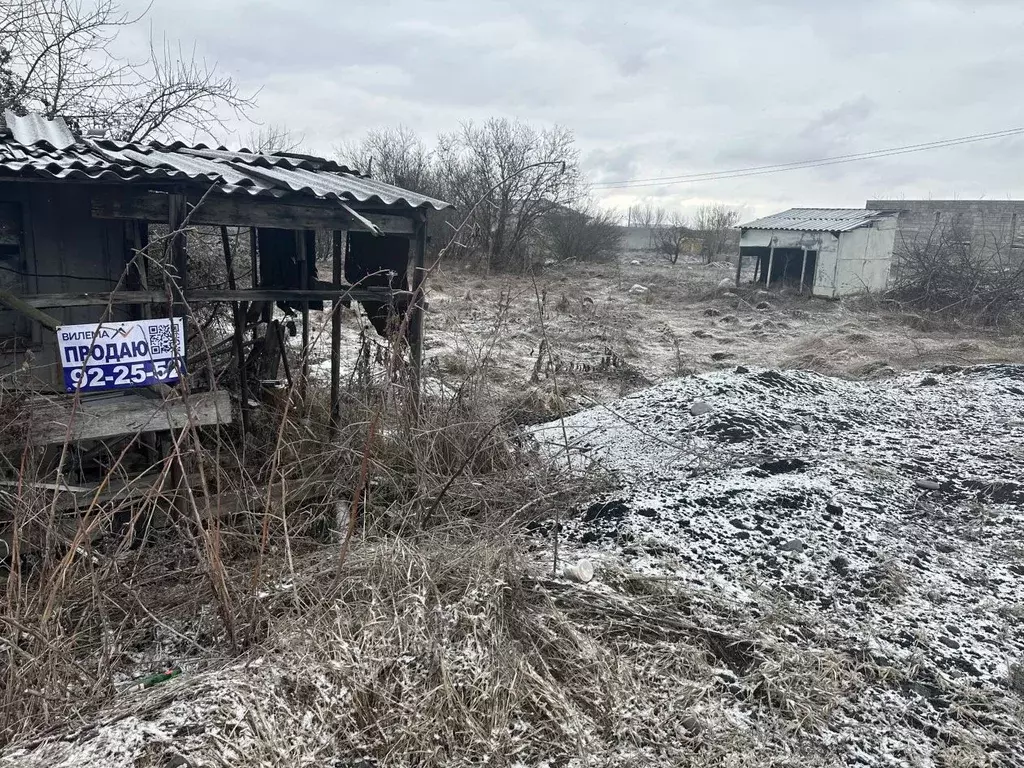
{"x":651,"y":88}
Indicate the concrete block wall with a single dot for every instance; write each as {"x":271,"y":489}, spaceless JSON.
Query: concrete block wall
{"x":992,"y":224}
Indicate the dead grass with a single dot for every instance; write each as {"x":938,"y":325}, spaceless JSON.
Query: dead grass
{"x":445,"y":649}
{"x":369,"y":598}
{"x":84,"y":600}
{"x":685,"y":324}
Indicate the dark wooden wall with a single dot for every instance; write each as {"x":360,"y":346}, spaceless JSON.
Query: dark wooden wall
{"x":64,"y":250}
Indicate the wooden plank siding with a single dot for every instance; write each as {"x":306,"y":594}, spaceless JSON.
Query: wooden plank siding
{"x":244,"y":211}
{"x":66,"y":250}
{"x":123,"y":414}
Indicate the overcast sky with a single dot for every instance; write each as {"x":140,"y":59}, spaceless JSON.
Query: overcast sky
{"x":650,"y":88}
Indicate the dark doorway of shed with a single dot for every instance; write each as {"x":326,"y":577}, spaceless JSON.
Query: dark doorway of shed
{"x":787,"y":266}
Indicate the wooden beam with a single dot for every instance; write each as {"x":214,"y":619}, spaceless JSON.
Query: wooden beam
{"x":177,"y":276}
{"x":200,"y":297}
{"x":115,"y":490}
{"x":238,"y":311}
{"x":105,"y":417}
{"x":803,"y":270}
{"x":242,"y":210}
{"x":27,"y":308}
{"x":336,"y":276}
{"x":304,"y":260}
{"x":417,"y":307}
{"x":365,"y":222}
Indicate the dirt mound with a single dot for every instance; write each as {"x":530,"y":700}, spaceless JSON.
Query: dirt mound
{"x":883,"y":517}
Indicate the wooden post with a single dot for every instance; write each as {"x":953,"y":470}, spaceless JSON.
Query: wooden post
{"x":803,"y":270}
{"x":739,"y":266}
{"x":179,"y":256}
{"x":304,"y":258}
{"x":266,"y":309}
{"x":336,"y":278}
{"x":282,"y":350}
{"x":150,"y":441}
{"x":254,"y":266}
{"x":270,"y":360}
{"x":771,"y":262}
{"x":136,"y":267}
{"x":419,"y":274}
{"x":239,"y":311}
{"x":177,"y":213}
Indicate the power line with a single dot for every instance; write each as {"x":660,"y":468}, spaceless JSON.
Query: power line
{"x":801,"y":163}
{"x":797,"y":165}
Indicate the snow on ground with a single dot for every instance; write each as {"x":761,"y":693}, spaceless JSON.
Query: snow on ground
{"x":880,"y":518}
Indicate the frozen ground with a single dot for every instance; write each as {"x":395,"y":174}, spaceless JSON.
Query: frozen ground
{"x":879,"y":519}
{"x":605,"y":342}
{"x":844,"y":517}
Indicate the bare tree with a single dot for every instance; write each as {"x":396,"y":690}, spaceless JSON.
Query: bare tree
{"x":506,"y":175}
{"x":56,"y":58}
{"x":582,"y":233}
{"x":658,"y":218}
{"x":712,"y":224}
{"x":673,"y":235}
{"x":269,"y":139}
{"x":640,"y":215}
{"x":9,"y":89}
{"x":393,"y":155}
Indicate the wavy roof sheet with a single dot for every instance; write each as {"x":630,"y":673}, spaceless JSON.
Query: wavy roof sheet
{"x":818,"y":219}
{"x":32,"y":146}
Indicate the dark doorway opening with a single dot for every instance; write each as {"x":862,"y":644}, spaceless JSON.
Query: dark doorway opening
{"x":786,"y":264}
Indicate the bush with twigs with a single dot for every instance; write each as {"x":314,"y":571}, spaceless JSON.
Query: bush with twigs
{"x":948,"y":274}
{"x":581,"y":233}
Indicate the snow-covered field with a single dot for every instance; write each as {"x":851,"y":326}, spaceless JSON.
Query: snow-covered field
{"x":879,"y":519}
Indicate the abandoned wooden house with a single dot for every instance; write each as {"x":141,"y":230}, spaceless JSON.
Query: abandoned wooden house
{"x":828,"y":252}
{"x":95,"y":288}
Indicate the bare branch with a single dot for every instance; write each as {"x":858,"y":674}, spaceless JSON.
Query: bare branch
{"x":55,"y":58}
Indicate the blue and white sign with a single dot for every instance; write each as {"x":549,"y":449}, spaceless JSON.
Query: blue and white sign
{"x":134,"y":353}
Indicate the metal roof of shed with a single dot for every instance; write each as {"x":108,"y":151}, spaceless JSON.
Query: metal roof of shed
{"x":818,"y":219}
{"x":33,"y":146}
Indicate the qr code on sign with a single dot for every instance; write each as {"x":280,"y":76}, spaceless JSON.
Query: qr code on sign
{"x":161,"y":340}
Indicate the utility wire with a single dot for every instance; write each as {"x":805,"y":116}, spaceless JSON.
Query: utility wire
{"x":797,"y":165}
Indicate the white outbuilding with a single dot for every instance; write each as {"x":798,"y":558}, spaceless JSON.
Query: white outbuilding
{"x":828,"y":252}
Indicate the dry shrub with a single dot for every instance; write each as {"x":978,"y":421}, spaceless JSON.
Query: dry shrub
{"x":951,"y":276}
{"x":81,"y":599}
{"x":581,"y":233}
{"x":13,"y":421}
{"x":444,"y":653}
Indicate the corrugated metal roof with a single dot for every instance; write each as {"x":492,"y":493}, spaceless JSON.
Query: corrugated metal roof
{"x":818,"y":219}
{"x":40,"y":148}
{"x":33,"y":128}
